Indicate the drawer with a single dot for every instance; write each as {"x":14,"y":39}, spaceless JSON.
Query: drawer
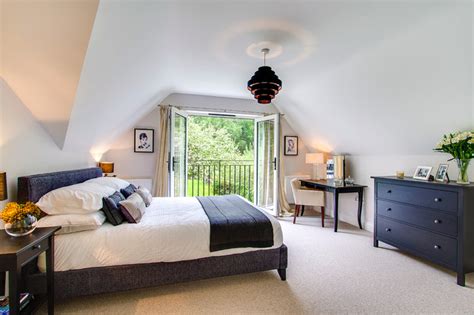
{"x":431,"y":198}
{"x":33,"y":251}
{"x":433,"y":220}
{"x":433,"y":246}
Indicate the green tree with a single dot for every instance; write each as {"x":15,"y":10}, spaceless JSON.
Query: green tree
{"x":239,"y":130}
{"x":207,"y":142}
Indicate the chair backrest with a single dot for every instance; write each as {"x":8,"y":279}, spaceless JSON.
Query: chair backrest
{"x":295,"y":185}
{"x":310,"y":197}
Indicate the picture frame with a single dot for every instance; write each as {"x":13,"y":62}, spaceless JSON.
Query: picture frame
{"x":144,"y":140}
{"x":441,"y":173}
{"x":291,"y":145}
{"x":422,"y":172}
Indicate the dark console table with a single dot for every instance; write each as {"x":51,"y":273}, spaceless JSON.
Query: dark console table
{"x":15,"y":252}
{"x":431,"y":220}
{"x":330,"y":186}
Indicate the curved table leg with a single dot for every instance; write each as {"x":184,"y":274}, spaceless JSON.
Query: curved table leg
{"x":359,"y":211}
{"x":336,"y":210}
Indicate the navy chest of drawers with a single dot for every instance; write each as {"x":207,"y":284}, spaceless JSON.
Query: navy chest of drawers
{"x":431,"y":220}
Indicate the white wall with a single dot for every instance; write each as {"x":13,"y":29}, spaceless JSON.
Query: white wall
{"x":26,"y":148}
{"x":389,"y":103}
{"x":295,"y":165}
{"x":129,"y":164}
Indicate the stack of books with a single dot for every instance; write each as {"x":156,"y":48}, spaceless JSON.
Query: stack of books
{"x":25,"y":299}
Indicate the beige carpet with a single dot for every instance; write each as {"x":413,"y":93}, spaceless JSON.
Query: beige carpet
{"x":328,"y":273}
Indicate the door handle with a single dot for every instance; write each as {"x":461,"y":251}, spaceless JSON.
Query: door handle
{"x":274,"y":163}
{"x":173,"y":163}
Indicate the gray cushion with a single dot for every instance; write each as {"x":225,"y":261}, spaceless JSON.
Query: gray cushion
{"x":112,"y":208}
{"x":133,"y":208}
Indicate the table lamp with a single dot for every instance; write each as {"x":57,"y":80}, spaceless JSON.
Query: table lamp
{"x":3,"y":186}
{"x":107,"y":167}
{"x":317,"y":159}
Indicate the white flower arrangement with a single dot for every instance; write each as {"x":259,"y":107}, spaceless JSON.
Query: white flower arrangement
{"x":459,"y":144}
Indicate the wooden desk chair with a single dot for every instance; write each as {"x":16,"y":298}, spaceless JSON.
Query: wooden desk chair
{"x":307,"y":197}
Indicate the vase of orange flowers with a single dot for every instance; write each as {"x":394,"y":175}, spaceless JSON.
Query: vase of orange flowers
{"x":20,"y":219}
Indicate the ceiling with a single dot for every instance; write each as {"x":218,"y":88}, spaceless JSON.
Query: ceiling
{"x":44,"y":44}
{"x":359,"y":77}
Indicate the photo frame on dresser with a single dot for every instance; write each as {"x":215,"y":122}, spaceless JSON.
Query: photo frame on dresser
{"x":422,"y":172}
{"x":143,"y":140}
{"x":442,"y":173}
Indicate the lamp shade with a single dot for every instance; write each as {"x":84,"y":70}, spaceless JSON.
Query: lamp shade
{"x":314,"y":158}
{"x":264,"y":85}
{"x":107,"y":167}
{"x":3,"y":186}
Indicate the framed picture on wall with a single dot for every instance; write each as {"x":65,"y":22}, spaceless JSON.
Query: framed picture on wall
{"x":291,"y":145}
{"x":144,"y":140}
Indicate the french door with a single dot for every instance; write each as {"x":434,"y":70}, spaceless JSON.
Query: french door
{"x":178,"y":153}
{"x":267,"y":154}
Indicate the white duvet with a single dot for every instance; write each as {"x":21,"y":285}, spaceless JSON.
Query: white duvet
{"x":172,"y":229}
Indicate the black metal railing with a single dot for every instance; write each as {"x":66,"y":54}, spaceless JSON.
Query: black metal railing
{"x":220,"y":177}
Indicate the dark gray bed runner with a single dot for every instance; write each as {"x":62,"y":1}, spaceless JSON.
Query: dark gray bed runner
{"x":236,"y":223}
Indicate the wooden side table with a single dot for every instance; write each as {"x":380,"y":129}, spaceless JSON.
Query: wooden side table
{"x":15,"y":252}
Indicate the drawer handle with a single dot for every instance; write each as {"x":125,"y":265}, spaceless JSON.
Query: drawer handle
{"x":436,"y":221}
{"x":36,"y":247}
{"x":388,"y":230}
{"x":437,"y":247}
{"x":438,"y":200}
{"x":389,"y":191}
{"x":389,"y":209}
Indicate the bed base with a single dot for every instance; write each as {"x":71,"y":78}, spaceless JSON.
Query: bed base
{"x":128,"y":277}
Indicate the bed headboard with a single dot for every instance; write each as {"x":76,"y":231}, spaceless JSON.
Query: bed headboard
{"x":33,"y":187}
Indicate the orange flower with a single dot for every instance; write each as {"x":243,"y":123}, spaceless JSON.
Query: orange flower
{"x":14,"y":212}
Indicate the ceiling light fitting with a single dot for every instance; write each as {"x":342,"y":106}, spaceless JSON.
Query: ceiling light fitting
{"x":264,"y":84}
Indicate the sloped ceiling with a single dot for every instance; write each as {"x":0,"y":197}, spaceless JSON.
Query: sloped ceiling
{"x":359,"y":77}
{"x":43,"y":47}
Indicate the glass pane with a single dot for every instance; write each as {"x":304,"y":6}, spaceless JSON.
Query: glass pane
{"x":220,"y":156}
{"x":265,"y":167}
{"x":179,"y":162}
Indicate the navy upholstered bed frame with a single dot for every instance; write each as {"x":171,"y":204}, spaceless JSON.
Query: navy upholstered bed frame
{"x":126,"y":277}
{"x":32,"y":188}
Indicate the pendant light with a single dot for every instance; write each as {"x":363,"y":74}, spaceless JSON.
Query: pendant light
{"x":264,"y":84}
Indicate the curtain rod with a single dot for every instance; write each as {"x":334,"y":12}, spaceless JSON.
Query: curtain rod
{"x":215,"y":110}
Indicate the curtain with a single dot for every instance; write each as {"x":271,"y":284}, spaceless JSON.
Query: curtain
{"x":285,"y":208}
{"x":161,"y":174}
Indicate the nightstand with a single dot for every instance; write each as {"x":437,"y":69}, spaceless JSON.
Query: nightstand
{"x":15,"y":252}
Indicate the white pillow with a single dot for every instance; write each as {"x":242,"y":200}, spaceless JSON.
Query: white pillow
{"x":113,"y":182}
{"x":145,"y":194}
{"x":75,"y":199}
{"x":71,"y":223}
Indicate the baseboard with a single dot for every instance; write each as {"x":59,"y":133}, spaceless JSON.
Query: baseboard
{"x":369,"y":226}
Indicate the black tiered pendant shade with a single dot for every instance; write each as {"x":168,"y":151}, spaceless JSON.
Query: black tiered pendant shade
{"x":264,"y":85}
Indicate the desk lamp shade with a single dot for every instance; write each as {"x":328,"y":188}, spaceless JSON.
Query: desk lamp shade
{"x":107,"y":167}
{"x":3,"y":186}
{"x":314,"y":158}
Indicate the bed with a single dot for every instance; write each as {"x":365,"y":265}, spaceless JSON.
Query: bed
{"x":93,"y":262}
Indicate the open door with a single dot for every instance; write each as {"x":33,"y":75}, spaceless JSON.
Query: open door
{"x":267,"y":149}
{"x":178,"y":152}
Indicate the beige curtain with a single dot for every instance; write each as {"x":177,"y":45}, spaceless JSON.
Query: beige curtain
{"x":285,"y":208}
{"x":161,"y":174}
